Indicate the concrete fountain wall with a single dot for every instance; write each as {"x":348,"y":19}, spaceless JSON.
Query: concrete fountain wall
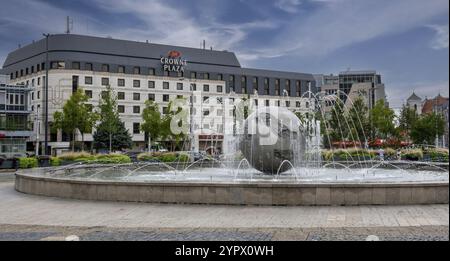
{"x":262,"y":194}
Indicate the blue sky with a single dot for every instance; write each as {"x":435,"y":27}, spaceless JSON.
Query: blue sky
{"x":405,"y":40}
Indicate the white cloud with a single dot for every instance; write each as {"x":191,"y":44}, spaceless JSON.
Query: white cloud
{"x":440,"y":40}
{"x":290,"y":6}
{"x":350,"y":22}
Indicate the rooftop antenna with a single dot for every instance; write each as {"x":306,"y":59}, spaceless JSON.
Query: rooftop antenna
{"x":69,"y":24}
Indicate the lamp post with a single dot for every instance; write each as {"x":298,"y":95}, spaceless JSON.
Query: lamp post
{"x":46,"y":152}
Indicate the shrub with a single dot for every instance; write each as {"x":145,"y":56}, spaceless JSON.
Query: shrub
{"x":146,"y":156}
{"x":438,"y":154}
{"x":72,"y":156}
{"x":412,"y":154}
{"x":111,"y":159}
{"x":55,"y":161}
{"x":183,"y":158}
{"x":26,"y":163}
{"x":168,"y":157}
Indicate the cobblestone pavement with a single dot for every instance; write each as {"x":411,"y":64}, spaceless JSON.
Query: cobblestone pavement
{"x":29,"y":217}
{"x":46,"y":233}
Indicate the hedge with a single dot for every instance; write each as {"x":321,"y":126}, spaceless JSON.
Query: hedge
{"x":26,"y":163}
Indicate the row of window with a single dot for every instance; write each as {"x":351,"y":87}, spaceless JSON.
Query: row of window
{"x":151,"y":71}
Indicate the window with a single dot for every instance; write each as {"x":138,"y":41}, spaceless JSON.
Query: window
{"x":206,"y":76}
{"x":136,"y":128}
{"x":297,"y":104}
{"x":278,"y":103}
{"x":151,"y":71}
{"x":205,"y":99}
{"x":255,"y":84}
{"x":166,"y":73}
{"x":206,"y":112}
{"x":180,"y":97}
{"x":266,"y":86}
{"x":57,"y":65}
{"x":105,"y":68}
{"x":38,"y":95}
{"x":244,"y":84}
{"x":105,"y":81}
{"x":193,"y":75}
{"x":103,"y":94}
{"x":39,"y":81}
{"x":88,"y":93}
{"x":76,"y":65}
{"x":166,"y":98}
{"x":151,"y":84}
{"x":136,"y":96}
{"x":32,"y":96}
{"x":32,"y":83}
{"x":219,"y":88}
{"x":136,"y":83}
{"x":288,"y":103}
{"x":121,"y":82}
{"x":220,"y":77}
{"x":287,"y":87}
{"x":180,"y":74}
{"x":121,"y":96}
{"x":88,"y":80}
{"x":206,"y":88}
{"x":137,"y":70}
{"x":256,"y":102}
{"x":179,"y":86}
{"x":267,"y":103}
{"x":231,"y":82}
{"x":43,"y":66}
{"x":277,"y":87}
{"x":298,"y":89}
{"x":88,"y":66}
{"x":193,"y":87}
{"x":11,"y":76}
{"x":165,"y":110}
{"x":151,"y":97}
{"x":165,"y":85}
{"x":26,"y":71}
{"x":121,"y":69}
{"x":38,"y":68}
{"x":136,"y":109}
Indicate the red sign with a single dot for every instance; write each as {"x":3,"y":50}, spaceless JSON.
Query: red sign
{"x":174,"y":54}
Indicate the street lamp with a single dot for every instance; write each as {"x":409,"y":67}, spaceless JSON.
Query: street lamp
{"x":46,"y":97}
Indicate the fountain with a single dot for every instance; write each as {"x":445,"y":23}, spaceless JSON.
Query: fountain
{"x":274,"y":158}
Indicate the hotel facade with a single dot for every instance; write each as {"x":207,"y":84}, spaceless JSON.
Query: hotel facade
{"x":140,"y":71}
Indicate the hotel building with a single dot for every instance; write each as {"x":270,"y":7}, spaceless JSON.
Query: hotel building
{"x":140,"y":71}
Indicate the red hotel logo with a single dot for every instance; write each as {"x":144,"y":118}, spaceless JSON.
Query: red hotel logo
{"x":174,"y":54}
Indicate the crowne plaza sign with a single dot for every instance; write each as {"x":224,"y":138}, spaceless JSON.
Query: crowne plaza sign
{"x":173,"y":62}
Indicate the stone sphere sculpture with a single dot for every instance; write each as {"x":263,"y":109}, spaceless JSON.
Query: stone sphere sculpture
{"x":272,"y":140}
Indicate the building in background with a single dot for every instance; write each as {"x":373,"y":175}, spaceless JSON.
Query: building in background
{"x":15,"y":126}
{"x":139,"y":71}
{"x":439,"y":105}
{"x":350,"y":85}
{"x":415,"y":102}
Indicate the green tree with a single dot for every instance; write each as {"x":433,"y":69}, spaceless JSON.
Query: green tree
{"x":408,"y":117}
{"x":338,"y":122}
{"x":425,"y":129}
{"x":110,"y":131}
{"x":75,"y":116}
{"x":152,"y":122}
{"x":382,"y":121}
{"x":176,"y":116}
{"x":358,"y":120}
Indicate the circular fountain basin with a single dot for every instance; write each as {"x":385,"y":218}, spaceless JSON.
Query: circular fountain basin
{"x":213,"y":185}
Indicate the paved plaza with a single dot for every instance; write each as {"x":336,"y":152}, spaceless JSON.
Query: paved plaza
{"x":28,"y":217}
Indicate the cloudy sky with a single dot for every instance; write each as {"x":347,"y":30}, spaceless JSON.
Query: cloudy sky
{"x":405,"y":40}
